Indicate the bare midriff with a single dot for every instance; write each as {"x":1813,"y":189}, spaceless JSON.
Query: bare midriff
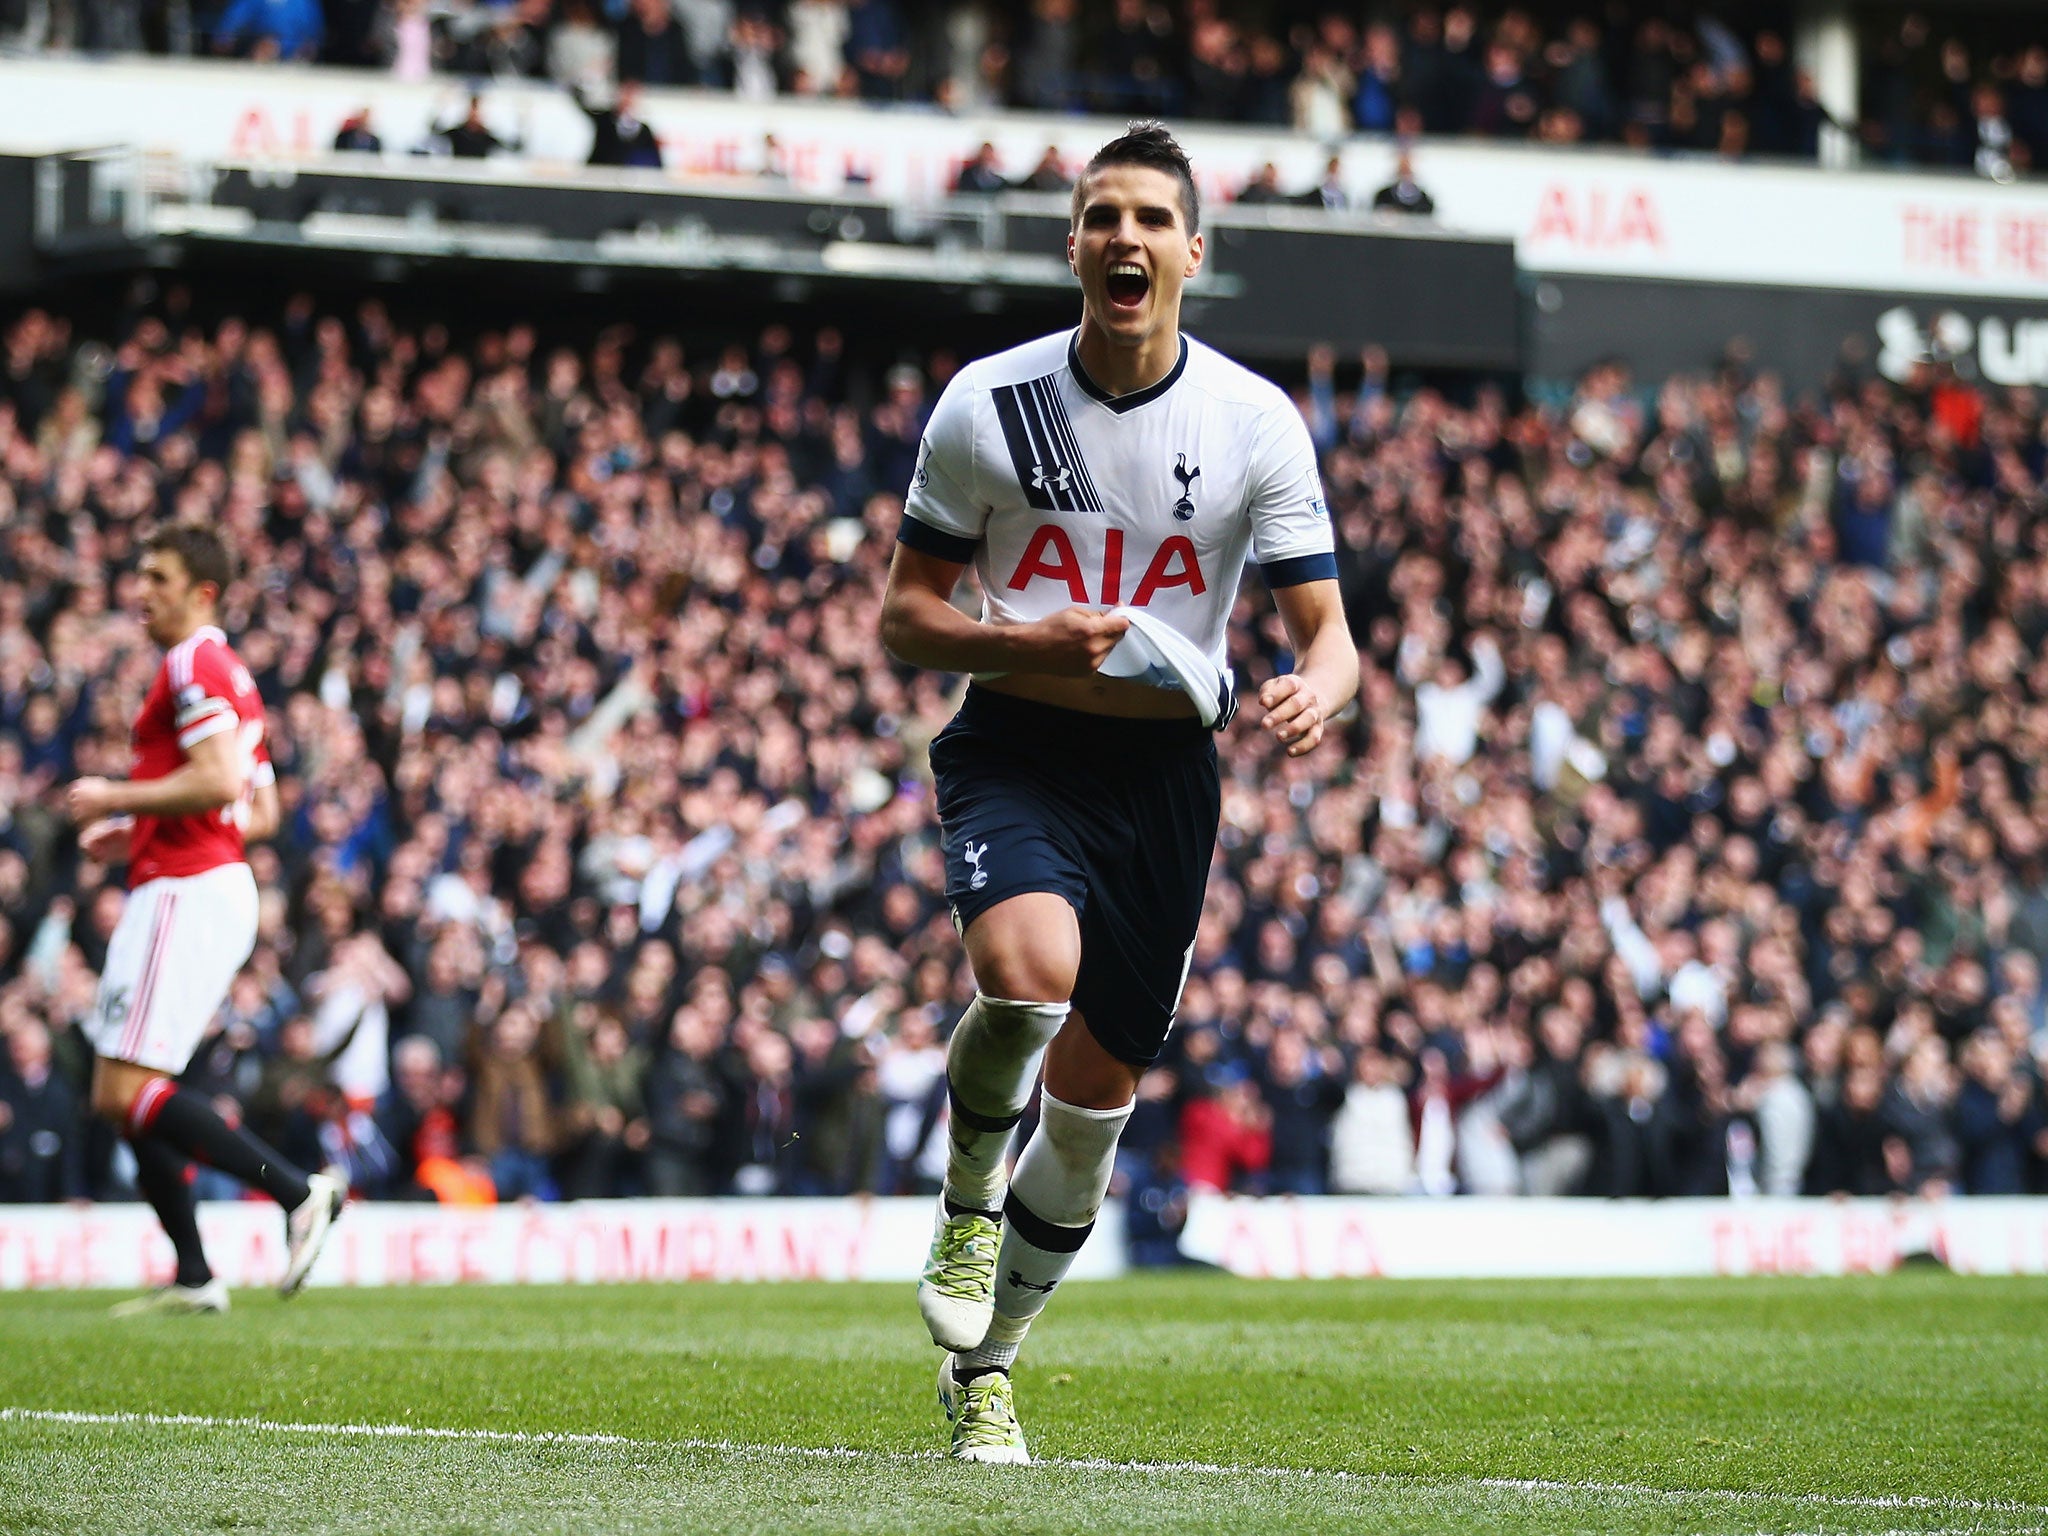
{"x":1094,"y":695}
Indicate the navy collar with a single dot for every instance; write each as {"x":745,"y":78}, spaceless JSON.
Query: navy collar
{"x":1130,"y":402}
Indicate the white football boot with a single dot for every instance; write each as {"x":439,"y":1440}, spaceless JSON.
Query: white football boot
{"x":306,"y":1228}
{"x":175,"y":1300}
{"x":983,"y":1413}
{"x":957,"y":1291}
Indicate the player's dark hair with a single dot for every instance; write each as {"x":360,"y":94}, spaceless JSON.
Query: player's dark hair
{"x":1148,"y":143}
{"x":200,"y":550}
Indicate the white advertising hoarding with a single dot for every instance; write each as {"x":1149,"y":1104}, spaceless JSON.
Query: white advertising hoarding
{"x":1504,"y":1239}
{"x":587,"y":1242}
{"x":1568,"y":212}
{"x":671,"y":1241}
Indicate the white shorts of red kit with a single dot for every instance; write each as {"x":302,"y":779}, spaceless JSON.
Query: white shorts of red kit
{"x":176,"y":950}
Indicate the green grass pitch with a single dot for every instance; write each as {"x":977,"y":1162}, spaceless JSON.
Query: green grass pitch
{"x":1909,"y":1403}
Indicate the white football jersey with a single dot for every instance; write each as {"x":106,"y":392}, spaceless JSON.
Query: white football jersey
{"x":1061,"y":493}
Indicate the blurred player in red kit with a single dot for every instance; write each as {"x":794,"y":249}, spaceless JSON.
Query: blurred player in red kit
{"x":201,"y":783}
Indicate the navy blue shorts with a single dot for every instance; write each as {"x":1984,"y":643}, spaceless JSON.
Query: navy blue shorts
{"x":1117,"y":816}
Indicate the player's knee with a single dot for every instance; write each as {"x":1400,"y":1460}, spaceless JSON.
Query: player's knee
{"x":1020,"y":1024}
{"x":1081,"y":1072}
{"x":1027,"y":949}
{"x":112,"y":1095}
{"x":121,"y":1091}
{"x":1021,"y":974}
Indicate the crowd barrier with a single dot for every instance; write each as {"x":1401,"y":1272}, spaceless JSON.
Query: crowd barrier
{"x":611,"y":1241}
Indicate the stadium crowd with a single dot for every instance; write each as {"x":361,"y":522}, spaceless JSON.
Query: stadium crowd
{"x":1689,"y":838}
{"x":1665,"y":79}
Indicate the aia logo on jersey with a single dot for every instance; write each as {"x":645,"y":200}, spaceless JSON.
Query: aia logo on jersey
{"x":1185,"y":507}
{"x":1058,"y":478}
{"x":1049,"y":555}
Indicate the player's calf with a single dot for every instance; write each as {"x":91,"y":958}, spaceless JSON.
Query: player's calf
{"x":1061,"y":1181}
{"x":991,"y":1068}
{"x":143,"y":1103}
{"x":992,"y":1065}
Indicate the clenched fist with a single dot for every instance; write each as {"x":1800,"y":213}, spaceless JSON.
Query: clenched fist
{"x":1071,"y":643}
{"x":1293,"y":713}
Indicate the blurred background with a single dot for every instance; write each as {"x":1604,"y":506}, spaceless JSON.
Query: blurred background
{"x":556,"y":369}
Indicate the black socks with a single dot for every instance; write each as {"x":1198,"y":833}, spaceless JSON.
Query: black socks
{"x":160,"y":1176}
{"x":189,"y":1123}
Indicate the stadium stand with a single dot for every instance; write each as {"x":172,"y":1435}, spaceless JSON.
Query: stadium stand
{"x":1688,"y":841}
{"x":1968,"y":93}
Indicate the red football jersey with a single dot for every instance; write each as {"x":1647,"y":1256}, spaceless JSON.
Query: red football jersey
{"x":201,"y":689}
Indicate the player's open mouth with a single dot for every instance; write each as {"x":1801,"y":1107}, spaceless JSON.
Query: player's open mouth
{"x":1127,"y":285}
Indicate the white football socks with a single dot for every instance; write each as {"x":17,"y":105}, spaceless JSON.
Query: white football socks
{"x":1061,"y":1181}
{"x":991,"y":1067}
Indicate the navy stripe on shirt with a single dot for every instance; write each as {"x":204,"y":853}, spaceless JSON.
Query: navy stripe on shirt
{"x":926,"y":539}
{"x":1297,"y":569}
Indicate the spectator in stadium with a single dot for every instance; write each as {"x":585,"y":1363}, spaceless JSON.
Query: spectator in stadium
{"x":403,"y":40}
{"x":652,"y":49}
{"x":1451,"y":706}
{"x":1321,"y":93}
{"x":1544,"y":1110}
{"x":1329,"y":193}
{"x":1921,"y":1152}
{"x":42,"y":1134}
{"x":1999,"y":1118}
{"x":620,"y":136}
{"x":1372,"y":1145}
{"x":296,"y":1097}
{"x":707,"y":37}
{"x":877,"y":49}
{"x":1227,"y":1138}
{"x":581,"y":55}
{"x":1156,"y":1210}
{"x":514,"y":1121}
{"x":356,"y":136}
{"x":1303,"y":1092}
{"x":1783,"y":1109}
{"x":604,"y":1125}
{"x":982,"y":174}
{"x":1049,"y":175}
{"x":688,"y":1140}
{"x":470,"y":138}
{"x":1264,"y":187}
{"x":270,"y":29}
{"x":1404,"y":194}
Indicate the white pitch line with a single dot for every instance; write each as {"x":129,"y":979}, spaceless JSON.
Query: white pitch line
{"x":743,"y":1451}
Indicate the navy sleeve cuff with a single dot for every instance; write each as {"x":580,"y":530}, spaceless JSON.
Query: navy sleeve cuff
{"x":927,"y":540}
{"x":1297,"y":569}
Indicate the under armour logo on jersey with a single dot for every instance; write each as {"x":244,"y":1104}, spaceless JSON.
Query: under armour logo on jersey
{"x":1058,"y":479}
{"x":1017,"y":1279}
{"x":1185,"y":507}
{"x":980,"y":875}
